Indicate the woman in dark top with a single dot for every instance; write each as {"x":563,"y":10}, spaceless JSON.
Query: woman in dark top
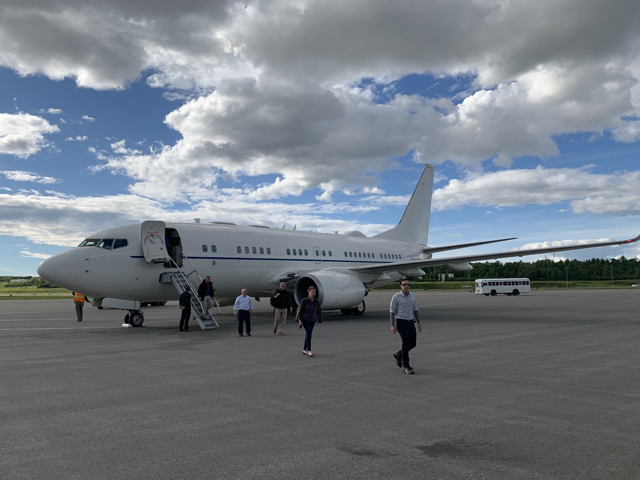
{"x":309,"y":313}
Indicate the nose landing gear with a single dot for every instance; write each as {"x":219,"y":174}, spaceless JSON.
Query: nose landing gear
{"x":134,"y":318}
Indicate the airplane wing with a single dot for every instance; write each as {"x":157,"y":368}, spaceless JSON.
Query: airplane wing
{"x":462,"y":245}
{"x":433,"y":262}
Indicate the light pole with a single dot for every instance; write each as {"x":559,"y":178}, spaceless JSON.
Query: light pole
{"x":612,"y":274}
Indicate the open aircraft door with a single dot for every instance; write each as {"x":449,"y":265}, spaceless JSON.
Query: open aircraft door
{"x":153,"y":242}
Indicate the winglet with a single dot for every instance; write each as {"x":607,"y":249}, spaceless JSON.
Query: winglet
{"x":632,"y":240}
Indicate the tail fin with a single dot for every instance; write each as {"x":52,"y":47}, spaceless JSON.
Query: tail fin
{"x":414,"y":224}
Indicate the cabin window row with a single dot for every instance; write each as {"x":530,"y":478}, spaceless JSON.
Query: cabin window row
{"x":254,"y":250}
{"x":304,"y":252}
{"x":386,"y":256}
{"x":205,"y":248}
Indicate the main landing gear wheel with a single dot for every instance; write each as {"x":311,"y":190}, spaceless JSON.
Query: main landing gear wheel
{"x":359,"y":309}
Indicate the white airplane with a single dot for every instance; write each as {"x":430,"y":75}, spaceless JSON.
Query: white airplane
{"x":153,"y":261}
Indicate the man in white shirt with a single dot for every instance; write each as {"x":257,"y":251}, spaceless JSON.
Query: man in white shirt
{"x":404,"y":312}
{"x":243,"y":308}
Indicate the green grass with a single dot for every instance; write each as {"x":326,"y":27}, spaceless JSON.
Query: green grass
{"x":22,"y":292}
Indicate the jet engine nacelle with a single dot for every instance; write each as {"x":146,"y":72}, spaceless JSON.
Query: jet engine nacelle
{"x":335,"y":290}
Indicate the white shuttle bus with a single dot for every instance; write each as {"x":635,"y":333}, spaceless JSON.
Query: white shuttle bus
{"x":505,"y":286}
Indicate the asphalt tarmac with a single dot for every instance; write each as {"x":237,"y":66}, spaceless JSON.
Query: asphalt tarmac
{"x":544,"y":386}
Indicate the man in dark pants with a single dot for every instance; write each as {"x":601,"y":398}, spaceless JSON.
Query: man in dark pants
{"x":185,"y":306}
{"x":243,"y":308}
{"x":403,"y":310}
{"x":205,"y":294}
{"x":78,"y":301}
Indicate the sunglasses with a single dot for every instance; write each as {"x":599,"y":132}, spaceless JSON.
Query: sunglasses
{"x":404,"y":284}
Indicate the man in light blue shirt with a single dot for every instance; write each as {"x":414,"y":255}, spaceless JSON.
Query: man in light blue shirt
{"x":403,"y":310}
{"x":243,"y":308}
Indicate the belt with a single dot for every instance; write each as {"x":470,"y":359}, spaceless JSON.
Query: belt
{"x":404,"y":319}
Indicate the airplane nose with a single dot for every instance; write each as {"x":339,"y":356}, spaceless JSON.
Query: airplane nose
{"x":61,"y":269}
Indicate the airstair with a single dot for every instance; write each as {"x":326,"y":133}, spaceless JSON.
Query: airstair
{"x":180,"y":280}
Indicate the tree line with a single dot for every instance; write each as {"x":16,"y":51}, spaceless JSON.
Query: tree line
{"x":588,"y":270}
{"x":30,"y":281}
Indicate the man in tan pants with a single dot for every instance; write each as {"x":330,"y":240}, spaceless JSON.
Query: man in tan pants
{"x":281,"y":301}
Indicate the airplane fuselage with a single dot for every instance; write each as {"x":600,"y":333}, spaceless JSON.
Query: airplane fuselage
{"x":235,"y":257}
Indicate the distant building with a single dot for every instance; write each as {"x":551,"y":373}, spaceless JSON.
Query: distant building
{"x":19,"y":280}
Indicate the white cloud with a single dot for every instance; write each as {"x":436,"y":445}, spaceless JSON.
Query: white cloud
{"x":617,"y":194}
{"x":563,"y":243}
{"x":28,"y":254}
{"x":38,"y":216}
{"x":77,"y":138}
{"x":629,"y":251}
{"x":257,"y":127}
{"x":88,"y":118}
{"x":252,"y":128}
{"x":22,"y":176}
{"x":23,"y":135}
{"x":628,"y":131}
{"x":285,"y":88}
{"x":105,"y":45}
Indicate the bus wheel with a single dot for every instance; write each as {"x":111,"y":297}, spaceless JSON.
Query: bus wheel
{"x":493,"y":293}
{"x":516,"y":292}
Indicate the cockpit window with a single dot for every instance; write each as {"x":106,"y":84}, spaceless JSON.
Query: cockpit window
{"x":89,"y":242}
{"x":120,"y":242}
{"x":106,"y":243}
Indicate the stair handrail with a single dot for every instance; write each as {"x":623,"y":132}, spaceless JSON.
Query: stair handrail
{"x":186,"y":278}
{"x":201,"y":280}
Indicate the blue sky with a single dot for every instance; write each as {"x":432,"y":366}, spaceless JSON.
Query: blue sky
{"x":319,"y":115}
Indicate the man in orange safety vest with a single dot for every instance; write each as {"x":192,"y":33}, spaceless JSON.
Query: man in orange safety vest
{"x":78,"y":300}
